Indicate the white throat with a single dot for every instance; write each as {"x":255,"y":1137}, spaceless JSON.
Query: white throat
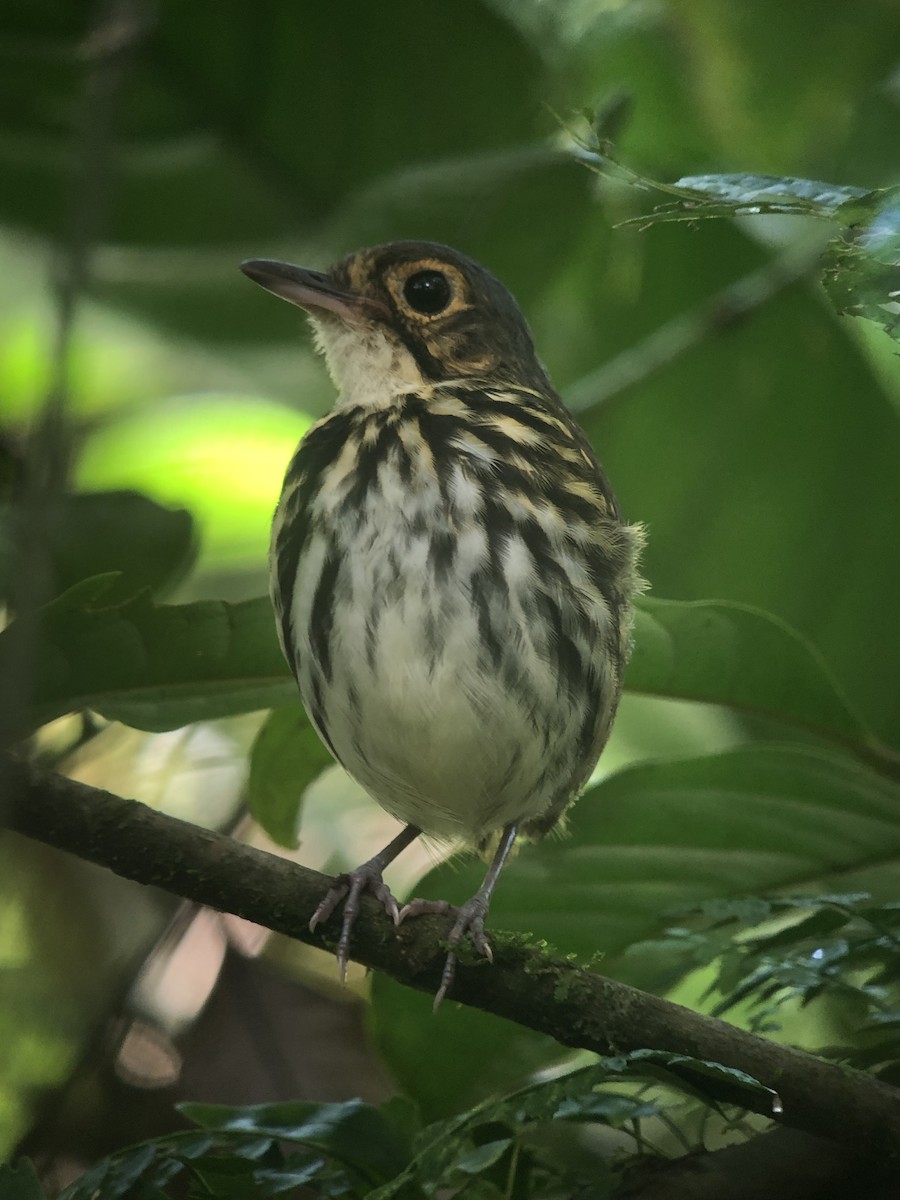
{"x":369,"y":367}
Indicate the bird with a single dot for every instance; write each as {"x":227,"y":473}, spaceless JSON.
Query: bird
{"x":451,"y":575}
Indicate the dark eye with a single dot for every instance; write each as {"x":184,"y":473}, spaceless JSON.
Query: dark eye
{"x":427,"y":292}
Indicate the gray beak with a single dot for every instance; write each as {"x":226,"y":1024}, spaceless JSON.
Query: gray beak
{"x":307,"y":289}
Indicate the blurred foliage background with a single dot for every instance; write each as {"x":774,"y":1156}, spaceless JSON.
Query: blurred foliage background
{"x":763,"y":460}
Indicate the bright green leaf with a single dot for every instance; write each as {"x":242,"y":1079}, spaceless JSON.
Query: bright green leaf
{"x":222,"y":457}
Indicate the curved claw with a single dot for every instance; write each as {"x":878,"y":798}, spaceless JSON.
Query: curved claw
{"x":330,"y":901}
{"x":352,"y":884}
{"x":469,"y":919}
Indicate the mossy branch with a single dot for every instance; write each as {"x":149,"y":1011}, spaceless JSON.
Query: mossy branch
{"x":551,"y":995}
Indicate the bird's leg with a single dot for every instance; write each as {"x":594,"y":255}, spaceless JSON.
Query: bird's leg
{"x":352,"y":884}
{"x":469,"y":916}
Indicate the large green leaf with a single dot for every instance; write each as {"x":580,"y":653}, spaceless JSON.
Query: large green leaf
{"x":161,"y":667}
{"x":731,"y":654}
{"x":158,"y":668}
{"x":764,"y":463}
{"x":234,"y":123}
{"x":94,"y":533}
{"x":240,"y":132}
{"x":358,"y":1135}
{"x":648,"y":839}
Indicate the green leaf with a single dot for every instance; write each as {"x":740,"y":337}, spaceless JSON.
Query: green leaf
{"x":355,"y":1133}
{"x":221,"y":456}
{"x":482,"y":1157}
{"x":287,"y":756}
{"x":645,"y":841}
{"x":708,"y":1081}
{"x":764,"y":463}
{"x":95,"y":533}
{"x":476,"y":1140}
{"x":161,"y":667}
{"x":158,"y":668}
{"x":20,"y":1182}
{"x":147,"y":1169}
{"x":214,"y":165}
{"x":783,"y":193}
{"x":731,"y":654}
{"x":810,"y":948}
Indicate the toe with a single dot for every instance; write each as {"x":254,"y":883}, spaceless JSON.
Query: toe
{"x":330,"y":901}
{"x":447,"y":978}
{"x":385,"y":897}
{"x":420,"y":908}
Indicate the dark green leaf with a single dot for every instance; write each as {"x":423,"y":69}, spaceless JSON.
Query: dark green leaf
{"x":222,"y":1177}
{"x":819,"y":925}
{"x":286,"y":757}
{"x":611,"y":1108}
{"x":731,"y":654}
{"x":767,"y":446}
{"x":20,"y":1182}
{"x":645,"y":841}
{"x":95,"y":533}
{"x":159,"y":667}
{"x":220,"y":157}
{"x":353,"y":1132}
{"x":709,"y":1081}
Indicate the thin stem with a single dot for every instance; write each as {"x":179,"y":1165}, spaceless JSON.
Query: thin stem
{"x":104,"y":54}
{"x":676,"y":337}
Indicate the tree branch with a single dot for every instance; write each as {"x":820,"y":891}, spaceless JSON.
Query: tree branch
{"x":550,"y":995}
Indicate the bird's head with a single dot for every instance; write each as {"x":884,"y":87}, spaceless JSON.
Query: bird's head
{"x":398,"y":317}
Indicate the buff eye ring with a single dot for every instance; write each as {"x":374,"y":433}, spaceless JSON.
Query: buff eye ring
{"x":427,"y":292}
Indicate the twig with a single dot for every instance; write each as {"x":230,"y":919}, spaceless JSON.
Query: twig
{"x":669,"y":342}
{"x":105,"y":53}
{"x":553,"y":996}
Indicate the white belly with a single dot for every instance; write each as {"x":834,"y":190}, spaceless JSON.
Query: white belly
{"x":445,"y":729}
